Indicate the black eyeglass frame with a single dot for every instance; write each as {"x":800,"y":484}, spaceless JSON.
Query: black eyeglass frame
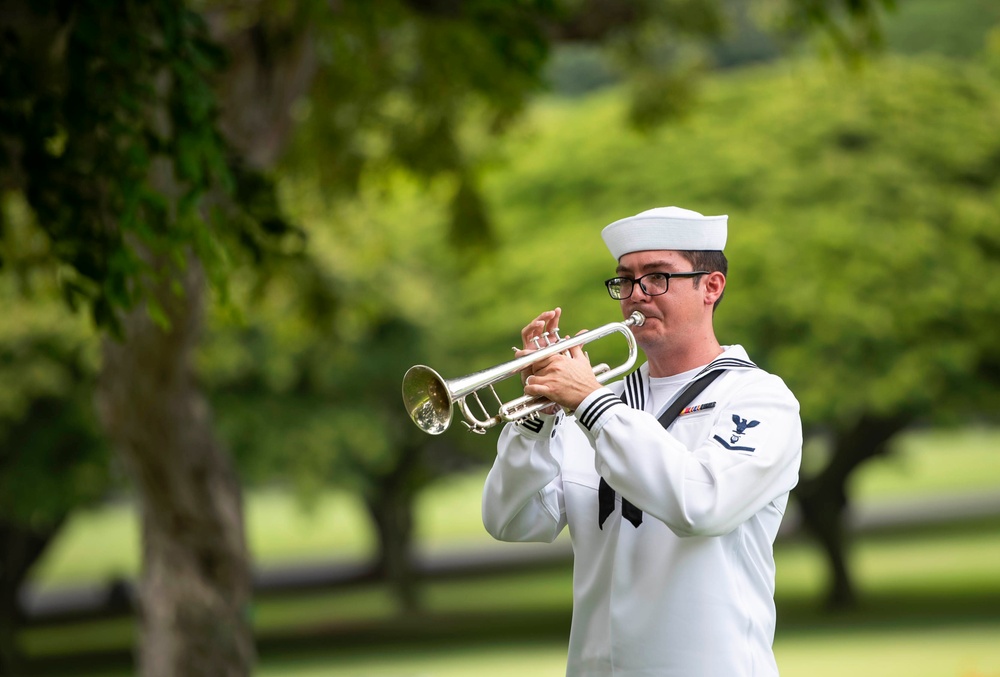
{"x":638,"y":281}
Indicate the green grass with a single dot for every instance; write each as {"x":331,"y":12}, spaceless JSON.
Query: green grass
{"x":102,"y":544}
{"x":933,"y":577}
{"x":99,"y":545}
{"x":931,"y":606}
{"x":934,"y":462}
{"x":523,"y":660}
{"x":956,"y":651}
{"x":931,"y":596}
{"x":964,"y":651}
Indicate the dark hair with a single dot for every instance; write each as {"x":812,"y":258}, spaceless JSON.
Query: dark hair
{"x":710,"y":261}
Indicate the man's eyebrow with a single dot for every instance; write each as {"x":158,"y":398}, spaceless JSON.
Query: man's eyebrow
{"x":652,"y":265}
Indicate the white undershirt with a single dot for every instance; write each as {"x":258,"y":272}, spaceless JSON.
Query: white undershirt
{"x":664,"y":389}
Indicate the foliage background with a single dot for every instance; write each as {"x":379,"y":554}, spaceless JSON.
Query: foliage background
{"x":864,"y":244}
{"x":862,"y":210}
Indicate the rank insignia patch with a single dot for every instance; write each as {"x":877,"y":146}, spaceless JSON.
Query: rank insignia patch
{"x":742,"y":425}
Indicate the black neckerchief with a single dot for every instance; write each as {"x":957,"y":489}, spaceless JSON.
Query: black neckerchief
{"x":605,"y":494}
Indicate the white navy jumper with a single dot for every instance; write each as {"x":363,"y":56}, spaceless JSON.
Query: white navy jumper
{"x":689,"y":591}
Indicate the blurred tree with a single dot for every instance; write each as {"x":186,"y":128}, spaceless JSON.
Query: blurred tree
{"x":138,"y":137}
{"x":876,"y":264}
{"x":52,"y":456}
{"x":423,"y":113}
{"x":307,"y":391}
{"x":934,"y":27}
{"x":863,"y":249}
{"x":108,"y":130}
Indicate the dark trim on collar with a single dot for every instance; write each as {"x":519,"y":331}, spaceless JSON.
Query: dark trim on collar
{"x":723,"y":362}
{"x":634,"y":394}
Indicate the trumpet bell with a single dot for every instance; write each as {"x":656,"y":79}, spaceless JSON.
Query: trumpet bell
{"x":427,"y":399}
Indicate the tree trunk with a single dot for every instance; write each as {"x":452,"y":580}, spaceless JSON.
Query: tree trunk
{"x":196,"y":583}
{"x":823,"y":507}
{"x":20,"y":548}
{"x":391,"y":506}
{"x":392,"y":514}
{"x":824,"y":500}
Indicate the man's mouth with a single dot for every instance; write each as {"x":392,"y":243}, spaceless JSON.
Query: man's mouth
{"x":645,"y":312}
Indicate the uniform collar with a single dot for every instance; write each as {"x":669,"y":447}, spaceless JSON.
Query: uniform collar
{"x":735,"y":357}
{"x":636,"y":389}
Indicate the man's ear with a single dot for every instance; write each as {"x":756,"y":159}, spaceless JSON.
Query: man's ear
{"x":715,"y":284}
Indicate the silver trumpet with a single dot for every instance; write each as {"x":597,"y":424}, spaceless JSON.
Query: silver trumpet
{"x":429,"y":398}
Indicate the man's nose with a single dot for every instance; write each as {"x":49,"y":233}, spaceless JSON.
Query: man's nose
{"x":639,"y":294}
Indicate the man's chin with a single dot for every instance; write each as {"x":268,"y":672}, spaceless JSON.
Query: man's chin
{"x":650,"y":334}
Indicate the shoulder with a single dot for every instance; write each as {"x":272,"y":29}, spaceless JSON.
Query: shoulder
{"x":745,"y":378}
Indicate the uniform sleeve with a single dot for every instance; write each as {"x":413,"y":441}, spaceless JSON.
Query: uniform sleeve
{"x":523,"y":494}
{"x":707,"y":487}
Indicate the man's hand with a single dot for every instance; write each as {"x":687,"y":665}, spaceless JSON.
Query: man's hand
{"x":566,"y":379}
{"x":547,"y":322}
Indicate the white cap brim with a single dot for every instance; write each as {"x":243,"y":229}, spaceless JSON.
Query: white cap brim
{"x":666,"y":228}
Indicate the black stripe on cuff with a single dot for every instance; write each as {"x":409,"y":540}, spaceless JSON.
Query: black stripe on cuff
{"x":535,"y":425}
{"x":597,"y":408}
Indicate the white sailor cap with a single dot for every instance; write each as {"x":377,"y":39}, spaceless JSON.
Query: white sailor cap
{"x":670,"y":228}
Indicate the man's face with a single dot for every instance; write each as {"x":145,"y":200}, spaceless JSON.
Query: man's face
{"x":670,"y":317}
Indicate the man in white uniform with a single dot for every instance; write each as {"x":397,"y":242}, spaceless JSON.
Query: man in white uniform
{"x":672,"y":523}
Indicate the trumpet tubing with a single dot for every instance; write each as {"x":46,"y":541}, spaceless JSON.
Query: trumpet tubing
{"x":430,"y":399}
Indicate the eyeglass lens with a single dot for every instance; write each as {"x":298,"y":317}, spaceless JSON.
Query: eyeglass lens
{"x":653,"y":284}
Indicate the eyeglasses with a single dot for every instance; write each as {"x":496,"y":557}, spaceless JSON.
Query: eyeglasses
{"x":652,"y":284}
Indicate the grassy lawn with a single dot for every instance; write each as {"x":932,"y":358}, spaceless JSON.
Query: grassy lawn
{"x":959,"y":651}
{"x":931,"y":607}
{"x":523,"y":660}
{"x":102,"y":544}
{"x":932,"y":462}
{"x":952,"y":651}
{"x":931,"y":597}
{"x":964,"y":651}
